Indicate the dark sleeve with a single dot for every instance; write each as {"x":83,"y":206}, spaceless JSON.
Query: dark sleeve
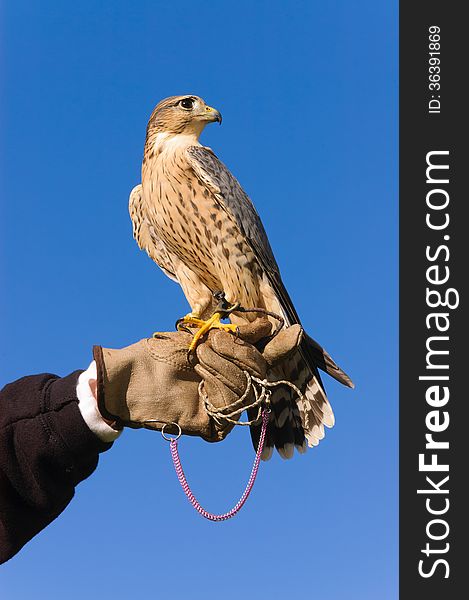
{"x":46,"y":449}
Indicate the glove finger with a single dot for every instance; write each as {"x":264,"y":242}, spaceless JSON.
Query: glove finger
{"x":221,"y":397}
{"x":255,"y":331}
{"x":283,"y":344}
{"x":236,"y":351}
{"x":225,"y":371}
{"x":219,"y":393}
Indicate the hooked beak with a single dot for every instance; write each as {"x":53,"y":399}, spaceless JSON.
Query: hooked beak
{"x":212,"y":115}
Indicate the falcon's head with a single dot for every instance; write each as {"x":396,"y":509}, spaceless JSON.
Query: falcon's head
{"x":182,"y":114}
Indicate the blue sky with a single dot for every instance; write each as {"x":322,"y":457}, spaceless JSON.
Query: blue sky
{"x":308,"y":92}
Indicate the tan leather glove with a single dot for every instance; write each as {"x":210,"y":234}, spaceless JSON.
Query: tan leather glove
{"x":154,"y":381}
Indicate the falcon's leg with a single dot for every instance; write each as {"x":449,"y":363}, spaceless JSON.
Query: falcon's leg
{"x":222,"y":311}
{"x":214,"y":322}
{"x":194,"y":318}
{"x":207,"y":308}
{"x":190,"y":320}
{"x":197,"y":293}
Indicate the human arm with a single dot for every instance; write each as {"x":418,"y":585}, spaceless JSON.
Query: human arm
{"x":46,"y":450}
{"x":52,"y":431}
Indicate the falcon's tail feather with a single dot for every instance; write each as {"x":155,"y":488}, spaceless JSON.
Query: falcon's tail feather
{"x":298,"y":422}
{"x":295,"y":422}
{"x":316,"y":355}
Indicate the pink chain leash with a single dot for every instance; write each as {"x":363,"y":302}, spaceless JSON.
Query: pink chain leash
{"x":252,"y":478}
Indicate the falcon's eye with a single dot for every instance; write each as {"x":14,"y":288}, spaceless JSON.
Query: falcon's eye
{"x":187,"y":103}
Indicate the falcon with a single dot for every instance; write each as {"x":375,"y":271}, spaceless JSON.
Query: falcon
{"x":195,"y":221}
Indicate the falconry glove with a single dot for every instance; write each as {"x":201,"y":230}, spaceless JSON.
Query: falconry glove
{"x":156,"y":382}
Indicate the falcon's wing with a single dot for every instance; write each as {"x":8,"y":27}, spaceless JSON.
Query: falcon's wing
{"x":234,"y":201}
{"x":145,"y":234}
{"x":237,"y":204}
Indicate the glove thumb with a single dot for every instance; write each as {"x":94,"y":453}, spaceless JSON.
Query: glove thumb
{"x":283,"y":344}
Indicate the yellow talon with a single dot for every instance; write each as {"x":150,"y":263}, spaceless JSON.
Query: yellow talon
{"x":213,"y":323}
{"x":189,"y":320}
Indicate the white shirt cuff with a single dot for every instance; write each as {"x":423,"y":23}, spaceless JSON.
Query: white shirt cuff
{"x":87,"y":403}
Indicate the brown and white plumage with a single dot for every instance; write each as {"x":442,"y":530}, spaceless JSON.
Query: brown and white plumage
{"x":195,"y":221}
{"x":145,"y":234}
